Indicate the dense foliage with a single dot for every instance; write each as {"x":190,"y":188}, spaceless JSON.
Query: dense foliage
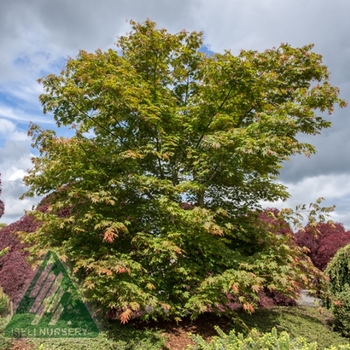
{"x":323,"y":244}
{"x":338,"y":297}
{"x":158,"y":123}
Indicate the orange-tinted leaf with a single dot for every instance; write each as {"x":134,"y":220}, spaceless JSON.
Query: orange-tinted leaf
{"x":109,"y":236}
{"x":248,"y":307}
{"x":234,"y":288}
{"x":125,"y":316}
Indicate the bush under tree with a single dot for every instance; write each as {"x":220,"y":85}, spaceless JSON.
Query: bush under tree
{"x":157,"y":122}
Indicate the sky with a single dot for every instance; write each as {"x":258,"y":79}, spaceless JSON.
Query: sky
{"x":37,"y":37}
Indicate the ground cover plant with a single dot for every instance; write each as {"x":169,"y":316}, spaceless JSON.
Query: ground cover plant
{"x":256,"y":340}
{"x":157,"y":122}
{"x":306,"y":322}
{"x":315,"y":324}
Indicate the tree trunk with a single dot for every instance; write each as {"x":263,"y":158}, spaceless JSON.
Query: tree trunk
{"x":200,"y":199}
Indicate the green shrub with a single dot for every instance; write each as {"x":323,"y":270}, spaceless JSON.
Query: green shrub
{"x":256,"y":340}
{"x":338,"y":294}
{"x":341,"y":311}
{"x":338,"y":270}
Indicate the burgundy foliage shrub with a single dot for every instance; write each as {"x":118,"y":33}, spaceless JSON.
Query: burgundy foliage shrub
{"x":15,"y":271}
{"x":323,"y":246}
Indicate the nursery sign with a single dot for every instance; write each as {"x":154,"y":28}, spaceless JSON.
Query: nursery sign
{"x":51,"y":307}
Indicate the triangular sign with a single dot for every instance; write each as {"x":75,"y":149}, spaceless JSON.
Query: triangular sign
{"x":51,"y":307}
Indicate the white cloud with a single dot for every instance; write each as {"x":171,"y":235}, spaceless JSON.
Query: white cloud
{"x":328,"y":186}
{"x":17,"y":175}
{"x":14,"y":162}
{"x":6,"y":127}
{"x":333,"y":188}
{"x":8,"y":130}
{"x":28,"y":92}
{"x":15,"y":208}
{"x":21,"y":116}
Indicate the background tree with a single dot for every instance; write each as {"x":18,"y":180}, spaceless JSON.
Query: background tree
{"x":158,"y":123}
{"x":322,"y":246}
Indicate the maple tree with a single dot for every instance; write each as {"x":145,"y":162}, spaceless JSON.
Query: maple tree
{"x":172,"y":152}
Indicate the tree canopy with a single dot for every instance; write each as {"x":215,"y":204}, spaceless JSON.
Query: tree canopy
{"x":173,"y":150}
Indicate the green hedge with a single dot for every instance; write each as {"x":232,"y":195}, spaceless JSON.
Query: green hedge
{"x":338,"y":296}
